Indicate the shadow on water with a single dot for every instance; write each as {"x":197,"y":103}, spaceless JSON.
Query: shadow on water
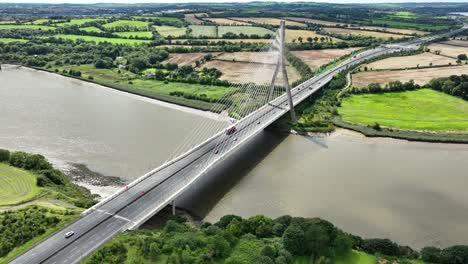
{"x":207,"y":191}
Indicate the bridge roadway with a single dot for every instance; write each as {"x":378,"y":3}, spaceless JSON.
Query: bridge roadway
{"x":132,"y":206}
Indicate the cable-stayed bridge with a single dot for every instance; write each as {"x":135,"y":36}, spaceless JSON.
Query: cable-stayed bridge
{"x":257,"y":108}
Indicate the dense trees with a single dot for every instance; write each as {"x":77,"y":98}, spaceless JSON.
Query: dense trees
{"x":451,"y":255}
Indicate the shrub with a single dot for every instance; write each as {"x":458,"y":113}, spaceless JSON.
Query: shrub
{"x":4,"y":155}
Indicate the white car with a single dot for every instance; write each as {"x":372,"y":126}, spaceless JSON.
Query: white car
{"x":69,"y":234}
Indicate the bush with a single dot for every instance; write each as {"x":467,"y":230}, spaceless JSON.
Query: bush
{"x":454,"y":255}
{"x":18,"y":159}
{"x":431,"y":254}
{"x":4,"y":155}
{"x":383,"y":246}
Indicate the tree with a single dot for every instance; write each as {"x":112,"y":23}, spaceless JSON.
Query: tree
{"x":342,"y":244}
{"x":317,"y":241}
{"x":294,"y":239}
{"x":462,"y":57}
{"x":431,"y":254}
{"x":4,"y":155}
{"x":454,"y":255}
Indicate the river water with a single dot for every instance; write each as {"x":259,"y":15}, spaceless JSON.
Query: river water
{"x":414,"y":193}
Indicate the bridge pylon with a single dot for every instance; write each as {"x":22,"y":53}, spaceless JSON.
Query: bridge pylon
{"x":281,"y":65}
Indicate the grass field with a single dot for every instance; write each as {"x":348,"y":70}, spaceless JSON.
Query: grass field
{"x":91,"y":29}
{"x":37,"y":27}
{"x":423,"y":60}
{"x":316,"y":58}
{"x":208,"y":31}
{"x":356,"y":257}
{"x":402,"y":24}
{"x":166,"y":31}
{"x":424,"y":109}
{"x":448,"y":50}
{"x":312,"y":21}
{"x":186,"y":58}
{"x":294,"y":34}
{"x":268,"y":21}
{"x":192,"y":19}
{"x":133,"y":24}
{"x":226,"y":21}
{"x":10,"y":40}
{"x":16,"y":185}
{"x":246,"y":30}
{"x":419,"y":76}
{"x":231,"y":40}
{"x":259,"y":57}
{"x":101,"y":39}
{"x":382,"y":35}
{"x":79,"y":22}
{"x":392,"y":30}
{"x":141,"y":34}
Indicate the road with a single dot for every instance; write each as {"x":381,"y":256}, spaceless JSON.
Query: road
{"x":132,"y":206}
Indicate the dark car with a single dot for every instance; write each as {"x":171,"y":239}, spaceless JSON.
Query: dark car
{"x":231,"y":131}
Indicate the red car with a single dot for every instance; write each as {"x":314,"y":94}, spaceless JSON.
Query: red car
{"x":231,"y":131}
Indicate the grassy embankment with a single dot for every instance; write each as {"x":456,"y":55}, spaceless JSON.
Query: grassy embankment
{"x":129,"y":82}
{"x":16,"y":185}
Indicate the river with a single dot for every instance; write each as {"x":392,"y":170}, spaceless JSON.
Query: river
{"x":414,"y":193}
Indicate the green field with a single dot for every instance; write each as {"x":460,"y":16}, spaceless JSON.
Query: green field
{"x":404,"y":14}
{"x":403,"y":24}
{"x":9,"y":40}
{"x":16,"y":185}
{"x":91,"y":29}
{"x":170,"y":31}
{"x":101,"y":39}
{"x":131,"y":24}
{"x":26,"y":27}
{"x":208,"y":31}
{"x":247,"y":30}
{"x":423,"y":109}
{"x":79,"y":22}
{"x":140,"y":34}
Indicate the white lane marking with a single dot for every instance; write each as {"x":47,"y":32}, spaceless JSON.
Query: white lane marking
{"x":115,"y":215}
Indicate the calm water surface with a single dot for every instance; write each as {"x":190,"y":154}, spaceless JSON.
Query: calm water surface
{"x":414,"y":193}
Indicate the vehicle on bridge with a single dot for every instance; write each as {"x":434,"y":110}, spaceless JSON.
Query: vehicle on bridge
{"x":231,"y":130}
{"x":69,"y":234}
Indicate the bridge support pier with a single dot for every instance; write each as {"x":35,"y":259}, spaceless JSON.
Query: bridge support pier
{"x":173,"y":208}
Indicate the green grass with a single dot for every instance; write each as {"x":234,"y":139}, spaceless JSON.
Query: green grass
{"x":9,"y":40}
{"x":91,"y":29}
{"x":404,"y":14}
{"x":79,"y":22}
{"x":403,"y":24}
{"x":170,"y":31}
{"x":36,"y":27}
{"x":139,"y":25}
{"x":101,"y":39}
{"x":356,"y":257}
{"x":423,"y":109}
{"x":247,"y":30}
{"x":16,"y":185}
{"x":140,"y":34}
{"x":208,"y":31}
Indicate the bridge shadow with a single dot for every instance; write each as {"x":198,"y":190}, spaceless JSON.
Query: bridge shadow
{"x":211,"y":188}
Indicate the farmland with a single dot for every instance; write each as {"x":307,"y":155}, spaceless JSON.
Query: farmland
{"x":268,"y":21}
{"x":35,"y":27}
{"x":193,"y":19}
{"x":410,"y":110}
{"x":101,"y":39}
{"x":166,"y":31}
{"x":16,"y":185}
{"x":457,"y":42}
{"x":410,"y":25}
{"x":246,"y":30}
{"x":258,"y":57}
{"x":420,"y":76}
{"x":91,"y":29}
{"x":228,"y":22}
{"x":392,"y":30}
{"x":228,"y":40}
{"x":448,"y":50}
{"x":316,"y":58}
{"x":241,"y":72}
{"x":186,"y":58}
{"x":79,"y":22}
{"x":294,"y":34}
{"x":10,"y":40}
{"x":128,"y":24}
{"x":312,"y":21}
{"x":420,"y":60}
{"x":207,"y":31}
{"x":133,"y":34}
{"x":374,"y":34}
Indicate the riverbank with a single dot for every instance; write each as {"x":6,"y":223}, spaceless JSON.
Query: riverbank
{"x":187,"y":108}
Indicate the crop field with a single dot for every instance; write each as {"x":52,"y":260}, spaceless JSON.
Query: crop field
{"x":16,"y":185}
{"x":246,"y":30}
{"x":192,"y":18}
{"x":91,"y":29}
{"x":312,"y":21}
{"x":316,"y":58}
{"x":419,"y":76}
{"x":268,"y":21}
{"x":345,"y":31}
{"x":258,"y":57}
{"x":395,"y":30}
{"x":79,"y":22}
{"x":3,"y":26}
{"x":457,"y":42}
{"x":424,"y":109}
{"x":294,"y":34}
{"x":421,"y":60}
{"x":186,"y":58}
{"x":208,"y":31}
{"x":101,"y":39}
{"x":10,"y":40}
{"x":141,"y":34}
{"x":241,"y":72}
{"x":166,"y":31}
{"x":225,"y":21}
{"x":133,"y":24}
{"x":448,"y":50}
{"x":230,"y":40}
{"x":402,"y":24}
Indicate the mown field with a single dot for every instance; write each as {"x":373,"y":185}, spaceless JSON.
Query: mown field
{"x":419,"y":76}
{"x":37,"y":27}
{"x":246,"y":30}
{"x":166,"y":31}
{"x":268,"y":21}
{"x":294,"y":34}
{"x":129,"y":34}
{"x":375,"y":34}
{"x":192,"y":19}
{"x":316,"y":58}
{"x":422,"y":60}
{"x":16,"y":185}
{"x":91,"y":29}
{"x":207,"y":31}
{"x":312,"y":21}
{"x":186,"y":58}
{"x":79,"y":22}
{"x":101,"y":39}
{"x":226,"y":21}
{"x":259,"y":57}
{"x":424,"y":109}
{"x":448,"y":50}
{"x":134,"y":24}
{"x":9,"y":40}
